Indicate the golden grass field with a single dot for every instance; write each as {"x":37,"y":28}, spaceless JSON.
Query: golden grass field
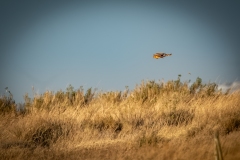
{"x":155,"y":120}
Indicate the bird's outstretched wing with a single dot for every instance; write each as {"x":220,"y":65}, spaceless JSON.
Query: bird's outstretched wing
{"x":161,"y":55}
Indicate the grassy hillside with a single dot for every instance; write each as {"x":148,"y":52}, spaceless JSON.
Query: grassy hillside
{"x":155,"y":120}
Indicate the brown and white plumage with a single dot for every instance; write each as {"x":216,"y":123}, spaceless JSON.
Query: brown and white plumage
{"x":161,"y":55}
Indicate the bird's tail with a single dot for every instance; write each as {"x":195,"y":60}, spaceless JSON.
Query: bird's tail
{"x":169,"y":54}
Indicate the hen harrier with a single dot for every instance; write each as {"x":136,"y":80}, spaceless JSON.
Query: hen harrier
{"x":161,"y":55}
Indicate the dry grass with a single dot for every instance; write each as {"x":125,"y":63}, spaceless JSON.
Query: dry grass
{"x":156,"y":120}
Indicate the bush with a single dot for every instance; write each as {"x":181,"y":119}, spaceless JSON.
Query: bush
{"x":47,"y":133}
{"x":230,"y":123}
{"x":106,"y":123}
{"x":150,"y":139}
{"x":178,"y":117}
{"x":7,"y":105}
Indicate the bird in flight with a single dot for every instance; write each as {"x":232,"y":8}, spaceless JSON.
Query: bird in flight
{"x":161,"y":55}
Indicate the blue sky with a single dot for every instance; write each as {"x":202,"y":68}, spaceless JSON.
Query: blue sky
{"x":109,"y":44}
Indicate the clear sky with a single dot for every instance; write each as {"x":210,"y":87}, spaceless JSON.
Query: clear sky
{"x":109,"y":44}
